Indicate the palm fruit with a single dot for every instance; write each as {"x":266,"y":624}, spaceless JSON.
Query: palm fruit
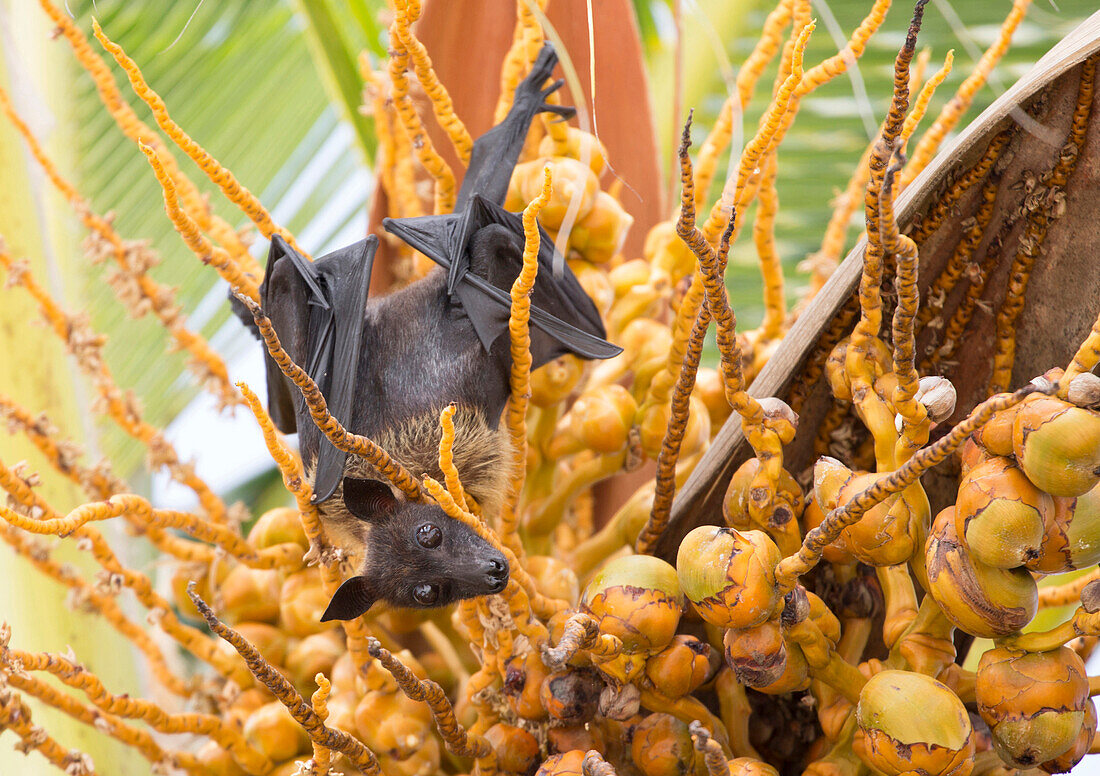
{"x":245,"y":704}
{"x":884,"y":536}
{"x":789,"y":502}
{"x":250,"y":594}
{"x":653,"y":425}
{"x":596,"y":283}
{"x":971,"y":454}
{"x":665,"y":251}
{"x":729,"y":575}
{"x":423,"y":762}
{"x":523,"y":677}
{"x":313,"y":655}
{"x":580,"y":145}
{"x":996,"y":435}
{"x":571,"y":179}
{"x":1063,"y":763}
{"x":600,"y":234}
{"x":571,"y":696}
{"x":392,"y":725}
{"x":911,"y":722}
{"x":750,"y":766}
{"x":982,"y":600}
{"x":628,"y":275}
{"x":517,"y":750}
{"x":217,"y":761}
{"x":1000,"y":515}
{"x":662,"y":746}
{"x":1058,"y":446}
{"x":680,"y":667}
{"x":565,"y":764}
{"x":302,"y":601}
{"x":271,"y":641}
{"x":938,"y":396}
{"x":638,"y":599}
{"x":554,"y":381}
{"x":600,"y":420}
{"x":582,"y":737}
{"x":1071,"y":537}
{"x":1033,"y":702}
{"x":278,"y":526}
{"x":758,"y":656}
{"x":272,"y":730}
{"x":553,"y":578}
{"x":812,"y":517}
{"x":710,"y":389}
{"x":836,"y":371}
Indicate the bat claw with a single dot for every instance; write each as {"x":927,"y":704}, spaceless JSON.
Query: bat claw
{"x":564,"y":111}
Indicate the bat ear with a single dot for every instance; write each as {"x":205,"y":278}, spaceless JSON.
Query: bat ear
{"x":369,"y":500}
{"x":352,"y":599}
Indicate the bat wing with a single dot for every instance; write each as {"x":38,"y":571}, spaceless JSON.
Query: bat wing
{"x":563,"y":317}
{"x":494,"y":155}
{"x":317,"y":309}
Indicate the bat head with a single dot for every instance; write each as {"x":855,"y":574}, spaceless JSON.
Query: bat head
{"x":417,"y":556}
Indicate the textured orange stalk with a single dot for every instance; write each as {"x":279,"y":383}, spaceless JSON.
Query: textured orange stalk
{"x":581,"y":633}
{"x":349,"y":746}
{"x":526,"y":40}
{"x":447,"y":461}
{"x":16,"y":717}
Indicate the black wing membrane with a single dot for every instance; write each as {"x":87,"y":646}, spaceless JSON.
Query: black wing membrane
{"x":317,"y":309}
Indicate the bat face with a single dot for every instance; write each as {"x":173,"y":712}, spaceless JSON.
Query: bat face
{"x":417,"y":557}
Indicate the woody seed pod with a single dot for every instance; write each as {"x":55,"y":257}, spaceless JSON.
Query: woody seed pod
{"x":938,"y":396}
{"x":911,"y":722}
{"x":638,"y":599}
{"x":1058,"y":446}
{"x":1034,"y":703}
{"x":982,"y":600}
{"x":729,"y":576}
{"x":1000,"y":514}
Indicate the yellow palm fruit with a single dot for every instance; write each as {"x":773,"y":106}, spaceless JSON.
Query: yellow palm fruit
{"x":313,"y":655}
{"x":788,"y":505}
{"x":662,"y":746}
{"x":576,"y":737}
{"x":250,"y":594}
{"x":710,"y":388}
{"x":884,"y":536}
{"x":565,"y":764}
{"x":423,"y":762}
{"x":729,"y":575}
{"x":553,"y":578}
{"x":628,"y":275}
{"x":812,"y":517}
{"x":601,"y":418}
{"x":595,"y":282}
{"x":302,"y":601}
{"x":218,"y":762}
{"x":982,"y":600}
{"x":1071,"y":537}
{"x":1000,"y":515}
{"x":996,"y":435}
{"x":971,"y":454}
{"x":643,"y":301}
{"x":680,"y":667}
{"x":624,"y":668}
{"x":1034,"y":703}
{"x":750,"y":766}
{"x":822,"y":616}
{"x":271,"y":641}
{"x":638,"y":599}
{"x":757,"y":655}
{"x":572,"y":696}
{"x":912,"y":723}
{"x":272,"y":730}
{"x":517,"y":750}
{"x":278,"y":526}
{"x":552,"y":382}
{"x":1064,"y":762}
{"x":580,"y":145}
{"x":523,"y":677}
{"x":664,"y":250}
{"x":600,"y":234}
{"x":571,"y":179}
{"x":1058,"y":446}
{"x":653,"y":425}
{"x":245,"y":704}
{"x":392,"y":725}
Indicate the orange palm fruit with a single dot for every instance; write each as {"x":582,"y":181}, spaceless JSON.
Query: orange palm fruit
{"x":218,"y":761}
{"x":653,"y":426}
{"x":580,"y":145}
{"x":570,"y":737}
{"x":662,"y":746}
{"x":750,"y":766}
{"x":392,"y":725}
{"x":250,"y":594}
{"x":553,"y":578}
{"x":565,"y":764}
{"x":757,"y":655}
{"x":523,"y":677}
{"x":571,"y":696}
{"x":278,"y":526}
{"x":1081,"y":745}
{"x":601,"y":418}
{"x":710,"y":389}
{"x":680,"y":667}
{"x":1071,"y":537}
{"x":1000,"y":515}
{"x":570,"y":178}
{"x":273,"y":731}
{"x":1033,"y":702}
{"x":553,"y":382}
{"x":628,"y":275}
{"x":271,"y":641}
{"x":664,"y":250}
{"x":1058,"y":446}
{"x":996,"y":435}
{"x":638,"y":599}
{"x":789,"y":502}
{"x":302,"y":601}
{"x":982,"y":600}
{"x":729,"y":575}
{"x":423,"y":762}
{"x":884,"y":535}
{"x":517,"y":750}
{"x":822,"y":616}
{"x":313,"y":655}
{"x":245,"y":704}
{"x":971,"y":454}
{"x":812,"y":517}
{"x":912,"y":723}
{"x":596,"y":283}
{"x":600,"y":234}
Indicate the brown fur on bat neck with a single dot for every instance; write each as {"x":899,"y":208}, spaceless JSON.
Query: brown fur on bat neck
{"x":480,"y":456}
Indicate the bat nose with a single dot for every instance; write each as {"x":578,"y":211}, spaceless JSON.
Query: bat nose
{"x":496,"y":571}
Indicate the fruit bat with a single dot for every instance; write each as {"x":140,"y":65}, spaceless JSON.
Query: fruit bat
{"x":387,"y":367}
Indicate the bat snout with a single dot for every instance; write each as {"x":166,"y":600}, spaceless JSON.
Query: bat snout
{"x":496,"y":573}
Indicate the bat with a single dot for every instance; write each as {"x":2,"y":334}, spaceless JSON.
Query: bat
{"x":387,"y":366}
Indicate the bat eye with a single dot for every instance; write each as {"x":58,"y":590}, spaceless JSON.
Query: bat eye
{"x":426,"y":595}
{"x":429,"y":536}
